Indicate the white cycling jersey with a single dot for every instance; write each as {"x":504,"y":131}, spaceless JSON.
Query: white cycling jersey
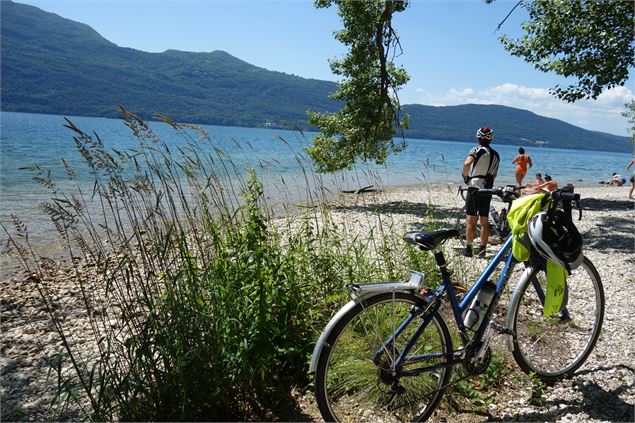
{"x":484,"y":167}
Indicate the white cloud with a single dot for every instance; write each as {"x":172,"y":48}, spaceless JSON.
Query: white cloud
{"x":463,"y":92}
{"x":614,"y":98}
{"x":602,"y":114}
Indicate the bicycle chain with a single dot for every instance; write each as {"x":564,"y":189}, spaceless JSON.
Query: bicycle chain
{"x":495,"y":326}
{"x":469,"y":375}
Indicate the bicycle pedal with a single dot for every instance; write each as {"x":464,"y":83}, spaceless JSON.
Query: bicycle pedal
{"x":501,"y":329}
{"x":398,"y":389}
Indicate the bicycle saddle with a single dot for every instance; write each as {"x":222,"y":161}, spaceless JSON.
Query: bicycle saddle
{"x":429,"y":240}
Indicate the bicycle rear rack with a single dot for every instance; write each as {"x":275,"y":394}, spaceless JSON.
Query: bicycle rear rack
{"x":361,"y":291}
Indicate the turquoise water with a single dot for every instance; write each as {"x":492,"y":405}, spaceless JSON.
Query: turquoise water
{"x":31,"y":139}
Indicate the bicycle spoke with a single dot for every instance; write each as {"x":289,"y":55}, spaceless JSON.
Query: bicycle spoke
{"x":359,"y":389}
{"x":555,"y":346}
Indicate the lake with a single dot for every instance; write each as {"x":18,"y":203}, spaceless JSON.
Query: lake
{"x":277,"y":155}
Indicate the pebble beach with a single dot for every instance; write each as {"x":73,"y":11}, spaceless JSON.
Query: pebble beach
{"x":603,"y":390}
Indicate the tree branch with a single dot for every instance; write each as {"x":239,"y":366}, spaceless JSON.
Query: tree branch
{"x":508,"y":15}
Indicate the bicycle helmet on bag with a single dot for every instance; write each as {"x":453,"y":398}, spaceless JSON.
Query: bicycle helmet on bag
{"x":556,"y":238}
{"x":485,"y":134}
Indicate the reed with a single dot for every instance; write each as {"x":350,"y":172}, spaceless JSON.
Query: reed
{"x":200,"y":303}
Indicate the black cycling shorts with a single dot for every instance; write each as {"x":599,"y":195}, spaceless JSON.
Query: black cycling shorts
{"x":477,"y":205}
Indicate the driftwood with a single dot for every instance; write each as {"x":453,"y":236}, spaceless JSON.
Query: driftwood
{"x":359,"y":191}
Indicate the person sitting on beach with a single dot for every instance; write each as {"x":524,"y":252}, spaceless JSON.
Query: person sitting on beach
{"x":615,"y":180}
{"x":523,"y":163}
{"x":530,"y":188}
{"x":547,"y":187}
{"x":539,"y":181}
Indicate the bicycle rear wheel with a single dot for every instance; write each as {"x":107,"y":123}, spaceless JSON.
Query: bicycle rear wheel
{"x":555,"y":347}
{"x":356,"y":379}
{"x":459,"y":224}
{"x":497,"y":229}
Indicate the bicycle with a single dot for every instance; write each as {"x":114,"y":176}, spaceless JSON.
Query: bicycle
{"x":497,"y":221}
{"x":388,"y":354}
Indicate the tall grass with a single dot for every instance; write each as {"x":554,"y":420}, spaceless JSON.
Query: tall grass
{"x":201,"y":304}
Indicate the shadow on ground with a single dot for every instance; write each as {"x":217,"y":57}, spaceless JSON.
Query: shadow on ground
{"x":444,"y":215}
{"x":598,"y":204}
{"x":611,"y":233}
{"x":596,"y":402}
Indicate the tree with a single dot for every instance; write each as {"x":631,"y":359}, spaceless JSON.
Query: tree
{"x":591,"y":40}
{"x":365,"y":126}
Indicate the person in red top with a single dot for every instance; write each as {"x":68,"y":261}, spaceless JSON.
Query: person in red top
{"x":523,"y":163}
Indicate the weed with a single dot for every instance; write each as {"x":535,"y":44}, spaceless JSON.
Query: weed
{"x":201,"y":305}
{"x":538,"y":389}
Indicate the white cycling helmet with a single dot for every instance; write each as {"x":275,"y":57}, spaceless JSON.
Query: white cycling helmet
{"x":485,"y":134}
{"x":556,"y":238}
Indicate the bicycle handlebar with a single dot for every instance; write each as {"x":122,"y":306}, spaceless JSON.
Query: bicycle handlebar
{"x":567,"y":197}
{"x":562,"y":195}
{"x":507,"y":193}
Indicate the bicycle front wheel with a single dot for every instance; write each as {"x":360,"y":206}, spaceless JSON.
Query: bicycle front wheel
{"x":357,"y":377}
{"x":555,"y":347}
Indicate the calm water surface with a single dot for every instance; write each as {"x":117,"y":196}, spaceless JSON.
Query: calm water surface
{"x":31,"y":139}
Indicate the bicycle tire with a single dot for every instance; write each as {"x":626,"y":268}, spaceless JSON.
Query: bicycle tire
{"x":460,"y":225}
{"x":349,"y":386}
{"x":554,"y":348}
{"x":503,"y":226}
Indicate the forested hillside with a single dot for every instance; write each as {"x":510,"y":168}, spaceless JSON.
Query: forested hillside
{"x":511,"y":126}
{"x":54,"y":65}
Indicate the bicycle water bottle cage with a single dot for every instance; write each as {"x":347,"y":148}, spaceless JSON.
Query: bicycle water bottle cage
{"x":430,"y":240}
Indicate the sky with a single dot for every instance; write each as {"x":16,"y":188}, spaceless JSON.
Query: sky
{"x":450,"y":48}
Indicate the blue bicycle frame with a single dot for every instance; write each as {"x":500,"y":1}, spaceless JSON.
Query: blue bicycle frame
{"x":434,"y":303}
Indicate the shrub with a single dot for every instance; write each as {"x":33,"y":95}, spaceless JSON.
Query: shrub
{"x":202,"y":306}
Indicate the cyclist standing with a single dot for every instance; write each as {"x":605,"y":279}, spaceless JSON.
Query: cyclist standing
{"x":479,"y":170}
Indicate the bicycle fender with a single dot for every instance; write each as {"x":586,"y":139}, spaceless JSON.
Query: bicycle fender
{"x":327,"y":331}
{"x":361,"y":293}
{"x":514,"y":303}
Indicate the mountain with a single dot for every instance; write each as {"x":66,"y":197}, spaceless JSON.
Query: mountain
{"x":511,"y":126}
{"x":54,"y":65}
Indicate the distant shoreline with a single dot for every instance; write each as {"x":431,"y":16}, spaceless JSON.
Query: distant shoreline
{"x":304,"y":130}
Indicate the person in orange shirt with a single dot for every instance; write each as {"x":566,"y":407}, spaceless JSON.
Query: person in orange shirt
{"x":548,"y":186}
{"x":523,"y":163}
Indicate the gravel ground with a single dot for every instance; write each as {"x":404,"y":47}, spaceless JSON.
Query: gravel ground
{"x":603,"y":390}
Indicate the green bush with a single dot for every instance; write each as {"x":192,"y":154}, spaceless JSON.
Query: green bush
{"x":203,"y":306}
